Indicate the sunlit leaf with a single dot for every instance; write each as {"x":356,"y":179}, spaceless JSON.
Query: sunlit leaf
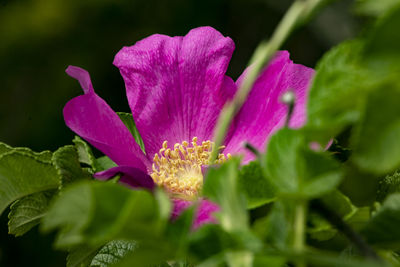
{"x":374,"y":7}
{"x":221,"y":186}
{"x":338,"y":91}
{"x":296,"y":170}
{"x":256,"y":187}
{"x":380,"y":123}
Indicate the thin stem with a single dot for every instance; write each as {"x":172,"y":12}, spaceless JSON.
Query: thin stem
{"x":337,"y":221}
{"x":299,"y":230}
{"x":252,"y":149}
{"x":289,"y":99}
{"x":297,"y":13}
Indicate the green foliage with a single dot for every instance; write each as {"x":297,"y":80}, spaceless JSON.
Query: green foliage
{"x":112,"y":252}
{"x":341,"y":204}
{"x":26,"y":212}
{"x":104,"y":163}
{"x":127,"y":119}
{"x":376,"y":8}
{"x":383,"y":227}
{"x":86,"y":213}
{"x":22,"y":174}
{"x":44,"y":155}
{"x":221,"y":186}
{"x":381,"y":123}
{"x":81,"y":256}
{"x":336,"y":95}
{"x":353,"y":100}
{"x":381,"y":52}
{"x":66,"y":161}
{"x":388,"y":185}
{"x":257,"y":189}
{"x":85,"y":154}
{"x":275,"y":228}
{"x":296,"y":170}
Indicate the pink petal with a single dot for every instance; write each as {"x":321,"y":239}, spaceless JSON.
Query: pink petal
{"x":130,"y":176}
{"x":176,"y":86}
{"x":263,"y":113}
{"x":91,"y":117}
{"x":204,"y":211}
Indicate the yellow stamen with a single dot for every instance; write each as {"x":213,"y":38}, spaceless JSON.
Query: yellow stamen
{"x":178,"y":170}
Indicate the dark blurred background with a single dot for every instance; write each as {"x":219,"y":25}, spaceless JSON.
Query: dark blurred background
{"x":40,"y":38}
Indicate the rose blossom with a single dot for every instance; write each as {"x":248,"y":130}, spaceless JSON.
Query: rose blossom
{"x":176,"y":88}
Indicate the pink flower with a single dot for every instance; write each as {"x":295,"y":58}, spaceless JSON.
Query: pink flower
{"x":176,"y":88}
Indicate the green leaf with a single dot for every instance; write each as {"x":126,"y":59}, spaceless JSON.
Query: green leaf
{"x":320,"y":228}
{"x":81,"y":256}
{"x":380,"y":120}
{"x":86,"y":156}
{"x":257,"y":189}
{"x":275,"y":228}
{"x":239,"y":258}
{"x":383,"y":228}
{"x":23,"y":174}
{"x":66,"y":161}
{"x":44,"y":155}
{"x":152,"y":252}
{"x":95,"y":213}
{"x":388,"y":185}
{"x":338,"y":91}
{"x":104,"y":163}
{"x":211,"y":240}
{"x":380,"y":123}
{"x":221,"y":186}
{"x":270,"y":261}
{"x":322,"y":258}
{"x":112,"y":252}
{"x":381,"y":49}
{"x":127,"y":119}
{"x":84,"y":151}
{"x":374,"y":7}
{"x":177,"y":231}
{"x":354,"y":180}
{"x":26,"y":212}
{"x":296,"y":170}
{"x":71,"y":212}
{"x":4,"y":148}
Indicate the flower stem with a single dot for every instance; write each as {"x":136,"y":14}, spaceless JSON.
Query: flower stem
{"x":299,"y":230}
{"x":332,"y":217}
{"x":297,"y":14}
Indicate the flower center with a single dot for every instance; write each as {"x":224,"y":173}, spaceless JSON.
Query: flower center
{"x":179,"y":170}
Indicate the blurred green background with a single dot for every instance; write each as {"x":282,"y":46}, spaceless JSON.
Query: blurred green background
{"x":40,"y":38}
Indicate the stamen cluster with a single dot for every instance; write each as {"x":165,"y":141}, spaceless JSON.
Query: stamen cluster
{"x":179,"y":170}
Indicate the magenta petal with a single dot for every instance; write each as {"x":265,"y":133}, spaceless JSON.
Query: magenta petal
{"x":176,"y":86}
{"x":263,"y":113}
{"x":92,"y":118}
{"x":130,"y":176}
{"x":204,"y":211}
{"x":82,"y":76}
